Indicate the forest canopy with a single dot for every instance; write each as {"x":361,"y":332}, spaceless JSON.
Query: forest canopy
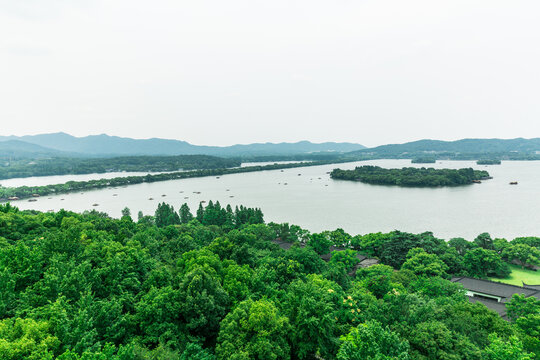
{"x":212,"y":284}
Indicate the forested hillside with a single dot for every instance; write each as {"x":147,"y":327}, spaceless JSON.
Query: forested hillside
{"x":212,"y":285}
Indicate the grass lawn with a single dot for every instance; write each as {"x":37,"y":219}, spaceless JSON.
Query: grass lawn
{"x":518,"y":275}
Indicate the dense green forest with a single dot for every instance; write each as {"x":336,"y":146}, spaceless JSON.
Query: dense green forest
{"x":63,"y":166}
{"x":23,"y":192}
{"x":212,"y":285}
{"x":409,"y":176}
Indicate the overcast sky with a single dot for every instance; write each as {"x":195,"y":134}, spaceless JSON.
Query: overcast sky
{"x":241,"y":71}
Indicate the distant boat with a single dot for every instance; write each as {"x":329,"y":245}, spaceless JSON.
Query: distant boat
{"x":163,"y":195}
{"x":231,"y":196}
{"x":513,"y":182}
{"x":217,"y":177}
{"x":95,"y":204}
{"x":299,"y":174}
{"x":32,"y":200}
{"x":477,"y":181}
{"x":35,"y":195}
{"x":150,"y":198}
{"x":114,"y":194}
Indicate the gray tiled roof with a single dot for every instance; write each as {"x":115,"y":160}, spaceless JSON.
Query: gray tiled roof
{"x":499,"y":308}
{"x":505,"y":291}
{"x":535,"y":287}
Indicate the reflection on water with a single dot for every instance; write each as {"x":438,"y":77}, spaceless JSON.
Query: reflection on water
{"x":309,"y":198}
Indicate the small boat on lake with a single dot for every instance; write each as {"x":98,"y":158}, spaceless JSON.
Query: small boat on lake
{"x":95,"y":204}
{"x":513,"y":182}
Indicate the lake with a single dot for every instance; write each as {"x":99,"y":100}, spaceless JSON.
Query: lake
{"x":309,"y":198}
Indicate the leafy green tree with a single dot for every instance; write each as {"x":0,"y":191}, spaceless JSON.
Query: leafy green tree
{"x":377,"y":279}
{"x":204,"y":303}
{"x":524,"y":254}
{"x":499,"y":349}
{"x":370,"y":341}
{"x":126,"y":212}
{"x":165,"y":215}
{"x":311,"y":307}
{"x":434,"y":340}
{"x":320,"y":243}
{"x":185,"y":214}
{"x":254,"y":330}
{"x":26,"y":339}
{"x":346,"y":259}
{"x":237,"y":281}
{"x":158,"y":317}
{"x":484,"y":241}
{"x":482,"y":263}
{"x":195,"y":351}
{"x":461,"y":245}
{"x":520,"y":306}
{"x":423,"y":264}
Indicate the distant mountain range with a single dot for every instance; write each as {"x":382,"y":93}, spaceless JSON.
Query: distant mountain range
{"x":65,"y":145}
{"x":477,"y":147}
{"x":62,"y":144}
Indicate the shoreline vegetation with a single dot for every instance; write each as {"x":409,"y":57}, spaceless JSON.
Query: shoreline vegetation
{"x":411,"y":177}
{"x":26,"y":192}
{"x":22,"y":168}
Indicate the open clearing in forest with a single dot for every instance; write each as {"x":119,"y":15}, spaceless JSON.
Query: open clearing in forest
{"x":519,"y":275}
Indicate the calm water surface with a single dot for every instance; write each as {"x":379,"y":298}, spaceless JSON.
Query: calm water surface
{"x":314,"y":201}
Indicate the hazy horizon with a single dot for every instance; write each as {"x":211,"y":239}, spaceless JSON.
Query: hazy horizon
{"x":239,"y":72}
{"x":265,"y":142}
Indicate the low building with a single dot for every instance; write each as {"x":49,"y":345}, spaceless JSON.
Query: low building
{"x":495,"y":294}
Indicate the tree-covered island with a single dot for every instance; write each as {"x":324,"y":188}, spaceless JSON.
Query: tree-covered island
{"x":423,"y":160}
{"x":488,"y":162}
{"x":409,"y":176}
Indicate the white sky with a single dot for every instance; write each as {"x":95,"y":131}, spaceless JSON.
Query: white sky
{"x":241,"y":71}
